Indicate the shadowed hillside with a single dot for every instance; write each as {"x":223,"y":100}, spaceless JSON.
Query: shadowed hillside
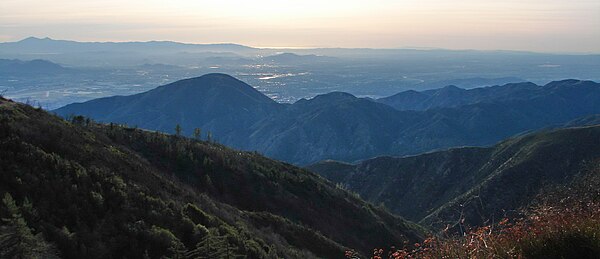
{"x":474,"y":184}
{"x":214,"y":103}
{"x":562,"y":222}
{"x":104,"y":191}
{"x":453,"y":96}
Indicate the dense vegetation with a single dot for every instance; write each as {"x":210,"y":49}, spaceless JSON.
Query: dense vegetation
{"x":79,"y":189}
{"x":562,"y":222}
{"x":84,"y":190}
{"x":470,"y":186}
{"x":341,"y":126}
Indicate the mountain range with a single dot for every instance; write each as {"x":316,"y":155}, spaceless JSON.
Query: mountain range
{"x":52,"y":46}
{"x":79,"y":189}
{"x":452,"y":96}
{"x":471,"y":185}
{"x":343,"y":127}
{"x":106,"y":191}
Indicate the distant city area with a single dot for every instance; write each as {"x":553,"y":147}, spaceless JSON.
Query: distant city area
{"x":68,"y":71}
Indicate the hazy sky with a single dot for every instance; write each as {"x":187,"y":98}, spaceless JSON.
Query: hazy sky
{"x":539,"y":25}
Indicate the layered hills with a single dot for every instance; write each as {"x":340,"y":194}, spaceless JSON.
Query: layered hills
{"x":79,"y":189}
{"x":471,"y":185}
{"x":341,"y":126}
{"x":453,"y":96}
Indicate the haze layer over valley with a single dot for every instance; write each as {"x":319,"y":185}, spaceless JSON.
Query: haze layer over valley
{"x":72,"y":71}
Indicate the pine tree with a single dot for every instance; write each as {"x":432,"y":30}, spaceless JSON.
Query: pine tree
{"x":178,"y":130}
{"x":17,"y":239}
{"x":197,"y":133}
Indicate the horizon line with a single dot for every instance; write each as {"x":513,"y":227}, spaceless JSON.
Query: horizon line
{"x":420,"y":48}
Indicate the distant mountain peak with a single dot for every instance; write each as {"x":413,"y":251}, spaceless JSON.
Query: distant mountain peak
{"x":451,"y":88}
{"x":564,"y":82}
{"x":209,"y":80}
{"x":411,"y":91}
{"x":213,"y":76}
{"x":213,"y":85}
{"x":328,"y":98}
{"x":214,"y":102}
{"x":334,"y":96}
{"x":36,"y":66}
{"x":287,"y":54}
{"x":218,"y":75}
{"x":338,"y":94}
{"x":33,"y":39}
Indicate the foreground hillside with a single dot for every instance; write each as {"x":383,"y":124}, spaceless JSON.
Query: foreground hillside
{"x":341,"y":126}
{"x":562,"y":222}
{"x":471,"y":186}
{"x":83,"y":190}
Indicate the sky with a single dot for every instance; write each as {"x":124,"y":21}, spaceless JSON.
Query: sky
{"x":566,"y":26}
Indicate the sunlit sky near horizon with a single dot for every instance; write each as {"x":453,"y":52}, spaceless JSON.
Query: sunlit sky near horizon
{"x":536,"y":25}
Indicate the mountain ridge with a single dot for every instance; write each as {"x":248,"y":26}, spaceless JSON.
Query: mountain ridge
{"x":217,"y":103}
{"x":343,"y":127}
{"x":477,"y":184}
{"x":452,"y":96}
{"x":69,"y":46}
{"x":96,"y":185}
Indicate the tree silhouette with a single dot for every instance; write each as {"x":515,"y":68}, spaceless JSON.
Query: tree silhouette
{"x":197,"y":133}
{"x":178,"y":130}
{"x":17,"y":239}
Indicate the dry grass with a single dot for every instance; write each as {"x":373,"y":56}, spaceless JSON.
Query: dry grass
{"x":564,"y":223}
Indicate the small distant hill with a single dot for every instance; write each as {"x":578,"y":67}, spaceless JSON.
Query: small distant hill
{"x":472,"y":82}
{"x":291,"y":58}
{"x":159,"y":67}
{"x":30,"y":67}
{"x":479,"y":185}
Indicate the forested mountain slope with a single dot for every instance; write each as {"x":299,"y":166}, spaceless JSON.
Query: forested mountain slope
{"x":106,"y":191}
{"x":475,"y":184}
